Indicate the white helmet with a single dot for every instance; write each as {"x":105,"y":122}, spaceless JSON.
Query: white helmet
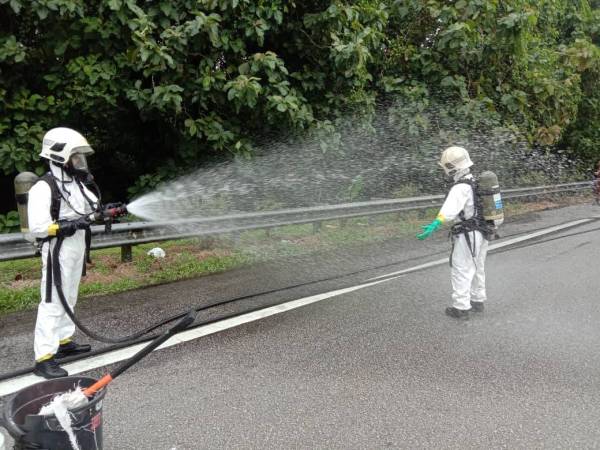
{"x":60,"y":144}
{"x":454,"y":159}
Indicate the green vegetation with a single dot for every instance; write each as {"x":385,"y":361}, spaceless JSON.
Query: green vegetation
{"x":161,"y":85}
{"x":19,"y":280}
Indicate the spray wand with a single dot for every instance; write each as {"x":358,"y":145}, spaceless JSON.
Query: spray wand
{"x":107,"y":215}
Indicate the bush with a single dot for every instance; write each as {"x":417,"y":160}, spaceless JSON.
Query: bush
{"x":9,"y":222}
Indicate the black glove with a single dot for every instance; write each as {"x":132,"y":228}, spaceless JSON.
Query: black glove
{"x":83,"y":223}
{"x":68,"y":228}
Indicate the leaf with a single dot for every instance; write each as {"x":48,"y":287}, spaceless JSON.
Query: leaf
{"x":278,"y":16}
{"x":244,"y":68}
{"x":447,"y":81}
{"x":167,"y":8}
{"x":115,"y":5}
{"x":42,"y":12}
{"x":16,"y":6}
{"x":190,"y":124}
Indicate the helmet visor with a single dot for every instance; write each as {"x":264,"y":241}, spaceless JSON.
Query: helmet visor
{"x":83,"y":149}
{"x":448,"y":167}
{"x":79,"y":163}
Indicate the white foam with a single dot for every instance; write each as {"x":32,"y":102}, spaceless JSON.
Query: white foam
{"x":60,"y":406}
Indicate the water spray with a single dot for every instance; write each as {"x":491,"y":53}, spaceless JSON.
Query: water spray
{"x":392,"y":156}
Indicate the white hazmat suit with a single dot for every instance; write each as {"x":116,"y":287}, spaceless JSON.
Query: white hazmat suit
{"x":53,"y":326}
{"x":467,"y":273}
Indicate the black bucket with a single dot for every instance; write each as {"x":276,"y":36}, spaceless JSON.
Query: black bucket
{"x":31,"y":431}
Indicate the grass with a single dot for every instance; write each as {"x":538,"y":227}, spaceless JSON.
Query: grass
{"x":188,"y":258}
{"x":20,"y":279}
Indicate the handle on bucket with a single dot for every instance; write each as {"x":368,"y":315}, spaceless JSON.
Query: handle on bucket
{"x":187,"y":320}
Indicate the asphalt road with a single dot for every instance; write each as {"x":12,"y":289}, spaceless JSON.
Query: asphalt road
{"x":119,"y":315}
{"x":384,"y":368}
{"x":381,"y":367}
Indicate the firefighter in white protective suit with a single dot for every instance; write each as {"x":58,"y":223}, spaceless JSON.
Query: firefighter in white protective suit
{"x":60,"y":205}
{"x":469,"y":235}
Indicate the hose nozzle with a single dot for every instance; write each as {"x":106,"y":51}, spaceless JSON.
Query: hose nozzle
{"x":112,"y":210}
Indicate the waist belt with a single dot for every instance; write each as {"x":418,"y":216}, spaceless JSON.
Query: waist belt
{"x":473,"y":224}
{"x":466,"y":227}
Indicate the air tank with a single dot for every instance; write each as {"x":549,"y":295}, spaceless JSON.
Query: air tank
{"x":489,"y":191}
{"x":23,"y":182}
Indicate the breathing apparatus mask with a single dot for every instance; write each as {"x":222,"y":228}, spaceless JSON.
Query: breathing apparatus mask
{"x":77,"y":166}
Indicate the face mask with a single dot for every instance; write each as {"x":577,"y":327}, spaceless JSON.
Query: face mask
{"x":79,"y":163}
{"x":77,"y":167}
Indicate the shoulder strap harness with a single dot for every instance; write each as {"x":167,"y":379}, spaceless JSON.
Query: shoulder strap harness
{"x":55,"y":195}
{"x":54,"y":213}
{"x":475,"y":223}
{"x":55,"y":200}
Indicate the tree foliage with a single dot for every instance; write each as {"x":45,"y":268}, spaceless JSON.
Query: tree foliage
{"x":522,"y":59}
{"x":163,"y":84}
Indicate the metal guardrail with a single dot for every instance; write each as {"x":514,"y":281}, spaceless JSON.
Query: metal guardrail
{"x":125,"y":235}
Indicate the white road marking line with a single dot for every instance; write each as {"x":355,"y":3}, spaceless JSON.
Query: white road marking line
{"x":15,"y":384}
{"x":94,"y":362}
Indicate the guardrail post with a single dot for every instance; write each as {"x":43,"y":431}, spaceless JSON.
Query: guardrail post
{"x":316,"y":227}
{"x":343,"y":223}
{"x":126,"y":253}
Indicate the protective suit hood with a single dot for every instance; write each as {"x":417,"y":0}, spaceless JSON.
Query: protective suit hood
{"x":461,"y":173}
{"x":60,"y":174}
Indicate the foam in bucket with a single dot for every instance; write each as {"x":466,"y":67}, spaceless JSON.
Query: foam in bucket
{"x":60,"y":406}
